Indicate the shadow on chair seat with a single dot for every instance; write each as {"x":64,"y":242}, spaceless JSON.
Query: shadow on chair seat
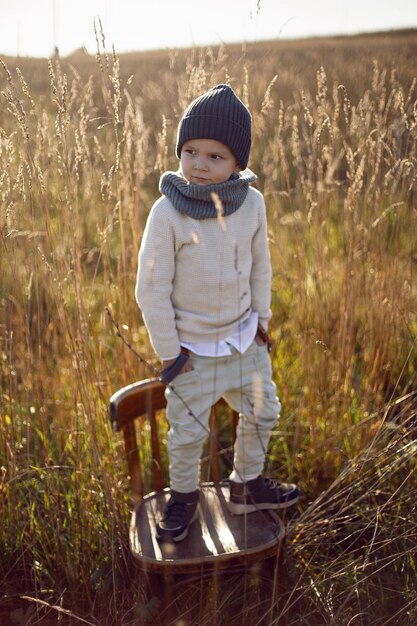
{"x":216,"y":539}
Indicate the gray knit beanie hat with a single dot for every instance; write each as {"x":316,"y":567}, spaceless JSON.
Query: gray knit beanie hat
{"x":218,"y":114}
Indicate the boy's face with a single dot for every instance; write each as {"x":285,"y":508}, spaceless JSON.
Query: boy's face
{"x":207,"y":161}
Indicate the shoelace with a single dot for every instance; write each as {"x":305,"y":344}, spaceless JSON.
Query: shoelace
{"x":271,"y":483}
{"x":175,"y":511}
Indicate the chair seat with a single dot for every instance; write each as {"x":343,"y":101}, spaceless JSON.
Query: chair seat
{"x":216,"y":539}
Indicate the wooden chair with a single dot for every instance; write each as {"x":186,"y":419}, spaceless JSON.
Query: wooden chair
{"x":217,"y":540}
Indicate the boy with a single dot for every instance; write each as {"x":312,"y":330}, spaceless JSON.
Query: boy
{"x":203,"y":286}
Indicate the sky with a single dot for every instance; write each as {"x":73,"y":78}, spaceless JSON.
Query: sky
{"x":36,"y":27}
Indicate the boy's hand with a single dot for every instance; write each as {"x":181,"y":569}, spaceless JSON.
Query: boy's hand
{"x":185,"y":368}
{"x":173,"y":367}
{"x":262,"y":338}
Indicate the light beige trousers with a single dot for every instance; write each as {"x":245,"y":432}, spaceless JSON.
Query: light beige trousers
{"x":245,"y":382}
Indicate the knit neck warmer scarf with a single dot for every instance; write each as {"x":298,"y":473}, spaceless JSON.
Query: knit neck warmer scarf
{"x":196,"y":200}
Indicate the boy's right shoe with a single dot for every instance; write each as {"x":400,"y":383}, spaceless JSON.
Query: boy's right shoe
{"x":181,"y":510}
{"x":261,"y":494}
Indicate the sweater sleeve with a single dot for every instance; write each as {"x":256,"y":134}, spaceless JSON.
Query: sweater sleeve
{"x":261,"y":273}
{"x":154,"y":283}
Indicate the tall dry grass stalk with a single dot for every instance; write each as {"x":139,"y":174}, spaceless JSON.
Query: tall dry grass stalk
{"x":80,"y":161}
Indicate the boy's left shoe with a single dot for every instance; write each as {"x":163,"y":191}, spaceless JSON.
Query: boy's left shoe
{"x":261,"y":494}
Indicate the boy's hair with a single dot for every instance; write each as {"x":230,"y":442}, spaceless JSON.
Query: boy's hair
{"x":218,"y":114}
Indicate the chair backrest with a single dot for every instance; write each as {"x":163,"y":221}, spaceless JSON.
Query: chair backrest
{"x":143,"y":400}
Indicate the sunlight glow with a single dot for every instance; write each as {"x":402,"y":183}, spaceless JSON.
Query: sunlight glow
{"x":37,"y":27}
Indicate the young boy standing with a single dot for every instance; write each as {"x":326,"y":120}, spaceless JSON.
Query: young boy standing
{"x":203,"y":286}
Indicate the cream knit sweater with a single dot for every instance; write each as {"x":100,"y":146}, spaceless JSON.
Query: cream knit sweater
{"x":198,"y":279}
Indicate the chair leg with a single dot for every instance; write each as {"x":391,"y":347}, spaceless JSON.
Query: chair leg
{"x":169,"y":596}
{"x":158,"y":603}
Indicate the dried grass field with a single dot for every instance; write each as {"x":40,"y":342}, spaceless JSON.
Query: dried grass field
{"x":83,"y":142}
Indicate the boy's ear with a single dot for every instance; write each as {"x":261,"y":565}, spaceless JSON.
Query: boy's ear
{"x":238,"y":168}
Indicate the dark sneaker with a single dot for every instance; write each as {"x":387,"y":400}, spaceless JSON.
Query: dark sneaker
{"x":180,"y":511}
{"x":261,"y":494}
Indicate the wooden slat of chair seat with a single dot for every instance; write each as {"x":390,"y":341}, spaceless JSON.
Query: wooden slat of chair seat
{"x":217,"y":539}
